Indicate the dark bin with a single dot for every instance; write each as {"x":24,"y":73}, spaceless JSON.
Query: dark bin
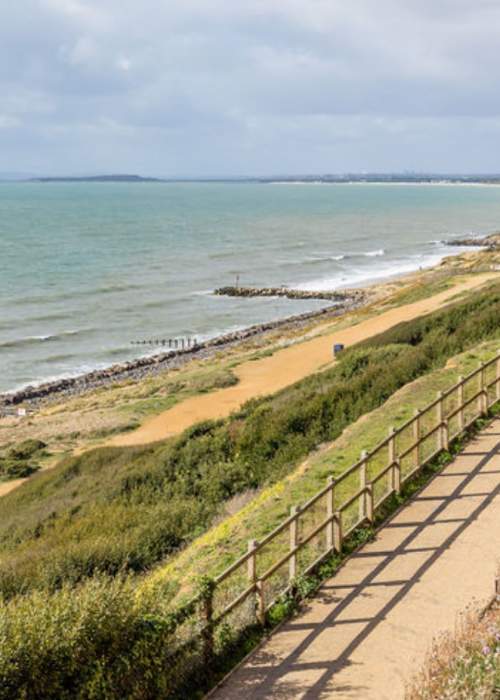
{"x":338,"y":347}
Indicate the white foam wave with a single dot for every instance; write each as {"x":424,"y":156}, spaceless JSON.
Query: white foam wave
{"x":326,"y":257}
{"x":34,"y":339}
{"x":360,"y":276}
{"x":374,"y":253}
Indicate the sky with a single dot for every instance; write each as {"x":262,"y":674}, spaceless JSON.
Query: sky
{"x":249,"y":87}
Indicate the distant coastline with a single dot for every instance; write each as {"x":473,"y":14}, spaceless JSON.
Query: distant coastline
{"x":300,"y":179}
{"x":97,"y":178}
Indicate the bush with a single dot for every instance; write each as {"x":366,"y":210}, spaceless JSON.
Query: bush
{"x":27,"y":449}
{"x":16,"y":468}
{"x":17,"y":463}
{"x":464,"y":665}
{"x":96,"y":641}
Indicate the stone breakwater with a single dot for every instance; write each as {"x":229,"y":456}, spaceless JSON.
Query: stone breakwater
{"x":142,"y":367}
{"x":335,"y":296}
{"x":492,"y":242}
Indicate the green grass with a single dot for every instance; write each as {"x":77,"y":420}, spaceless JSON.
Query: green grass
{"x":421,"y":290}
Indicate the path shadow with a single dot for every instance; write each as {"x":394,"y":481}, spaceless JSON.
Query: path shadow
{"x":285,"y":677}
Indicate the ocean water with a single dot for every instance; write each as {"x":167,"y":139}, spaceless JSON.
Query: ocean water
{"x":86,"y":270}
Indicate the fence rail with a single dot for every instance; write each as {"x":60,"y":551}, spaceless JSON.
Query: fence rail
{"x":244,"y":592}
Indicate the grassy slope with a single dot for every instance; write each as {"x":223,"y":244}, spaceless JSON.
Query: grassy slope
{"x":212,"y":552}
{"x":116,"y":508}
{"x":103,"y":640}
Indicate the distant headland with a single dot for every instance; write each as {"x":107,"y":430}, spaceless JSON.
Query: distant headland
{"x":97,"y":178}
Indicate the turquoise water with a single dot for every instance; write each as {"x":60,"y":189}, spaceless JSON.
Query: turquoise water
{"x":85,"y":269}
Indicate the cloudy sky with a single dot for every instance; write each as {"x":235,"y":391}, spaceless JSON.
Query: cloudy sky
{"x":228,"y":87}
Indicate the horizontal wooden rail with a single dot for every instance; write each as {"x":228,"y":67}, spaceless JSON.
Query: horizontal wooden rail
{"x":432,"y":424}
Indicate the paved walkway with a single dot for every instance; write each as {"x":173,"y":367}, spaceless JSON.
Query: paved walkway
{"x":369,"y":627}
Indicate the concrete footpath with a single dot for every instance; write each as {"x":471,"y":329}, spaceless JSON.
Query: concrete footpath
{"x":369,"y":628}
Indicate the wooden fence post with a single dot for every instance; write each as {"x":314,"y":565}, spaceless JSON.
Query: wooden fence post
{"x":391,"y":450}
{"x":369,"y":503}
{"x":362,"y":485}
{"x":416,"y":437}
{"x":251,"y":561}
{"x":292,"y":562}
{"x":498,"y":378}
{"x":261,"y":603}
{"x":330,"y":498}
{"x":208,"y":630}
{"x":339,"y":534}
{"x":461,"y":421}
{"x":439,"y":419}
{"x":446,"y":434}
{"x":480,"y":388}
{"x":485,"y":389}
{"x":252,"y":569}
{"x":391,"y":445}
{"x":396,"y":476}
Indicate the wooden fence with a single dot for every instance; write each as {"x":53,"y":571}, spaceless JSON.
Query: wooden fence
{"x":243,"y":593}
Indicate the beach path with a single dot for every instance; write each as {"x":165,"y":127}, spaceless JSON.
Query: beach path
{"x":369,"y":628}
{"x":286,"y":366}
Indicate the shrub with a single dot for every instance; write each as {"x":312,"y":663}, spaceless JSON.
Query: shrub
{"x":26,"y":449}
{"x":16,"y":468}
{"x":464,"y":665}
{"x":96,"y":641}
{"x":18,"y":463}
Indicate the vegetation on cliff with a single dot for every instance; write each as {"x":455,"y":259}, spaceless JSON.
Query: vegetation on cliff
{"x":124,"y":508}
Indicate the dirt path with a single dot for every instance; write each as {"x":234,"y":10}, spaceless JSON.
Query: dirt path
{"x":7,"y":486}
{"x":284,"y":367}
{"x":369,"y":628}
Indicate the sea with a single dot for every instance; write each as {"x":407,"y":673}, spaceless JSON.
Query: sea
{"x":92,"y":274}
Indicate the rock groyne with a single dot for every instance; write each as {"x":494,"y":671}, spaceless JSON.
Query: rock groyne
{"x":334,"y":296}
{"x":492,"y":242}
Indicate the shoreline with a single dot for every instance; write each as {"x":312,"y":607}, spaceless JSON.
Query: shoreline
{"x":341,"y":302}
{"x":142,"y":367}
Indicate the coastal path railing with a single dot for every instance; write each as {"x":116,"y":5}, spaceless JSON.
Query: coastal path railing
{"x":245,"y":591}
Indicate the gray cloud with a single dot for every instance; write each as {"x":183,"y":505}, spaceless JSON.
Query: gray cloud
{"x":211,"y":87}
